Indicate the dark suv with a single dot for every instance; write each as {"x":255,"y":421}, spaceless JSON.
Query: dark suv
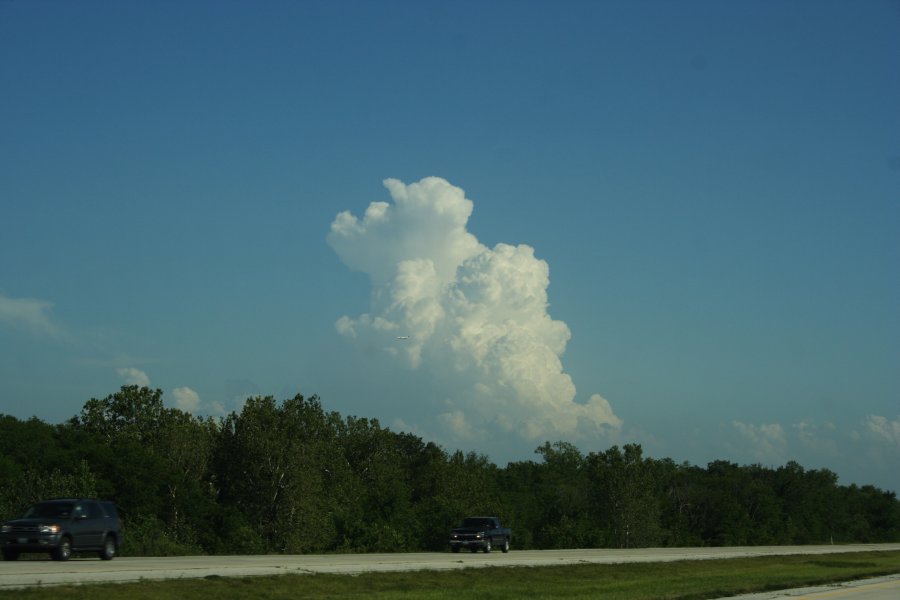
{"x":63,"y":526}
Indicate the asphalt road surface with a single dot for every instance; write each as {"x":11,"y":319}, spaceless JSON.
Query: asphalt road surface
{"x":26,"y":573}
{"x":879,"y":588}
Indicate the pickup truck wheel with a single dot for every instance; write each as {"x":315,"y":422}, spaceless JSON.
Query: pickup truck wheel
{"x":487,"y":545}
{"x":505,"y":545}
{"x":10,"y":555}
{"x":454,"y":549}
{"x":473,"y":549}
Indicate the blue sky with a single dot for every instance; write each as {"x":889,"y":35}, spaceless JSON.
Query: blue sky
{"x":671,"y":223}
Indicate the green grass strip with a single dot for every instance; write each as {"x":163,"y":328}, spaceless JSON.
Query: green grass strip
{"x":683,"y":580}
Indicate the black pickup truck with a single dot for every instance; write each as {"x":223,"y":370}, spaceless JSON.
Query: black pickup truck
{"x":480,"y":533}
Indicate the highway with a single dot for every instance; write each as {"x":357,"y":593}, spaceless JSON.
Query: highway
{"x":25,"y":573}
{"x":878,"y":588}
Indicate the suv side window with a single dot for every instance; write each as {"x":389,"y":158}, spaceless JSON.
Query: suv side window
{"x":109,"y":510}
{"x":93,"y":510}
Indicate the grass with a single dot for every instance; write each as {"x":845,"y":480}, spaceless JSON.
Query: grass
{"x":685,"y":580}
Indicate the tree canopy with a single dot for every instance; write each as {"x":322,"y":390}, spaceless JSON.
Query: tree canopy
{"x":290,"y":477}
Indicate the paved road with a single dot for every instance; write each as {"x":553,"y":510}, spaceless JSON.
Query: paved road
{"x":880,"y":588}
{"x":25,"y":573}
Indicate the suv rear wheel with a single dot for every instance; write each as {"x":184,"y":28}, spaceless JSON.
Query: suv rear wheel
{"x":109,"y":548}
{"x":10,"y":555}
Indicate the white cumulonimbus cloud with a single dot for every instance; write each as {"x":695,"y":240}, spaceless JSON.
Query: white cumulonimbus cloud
{"x":475,"y":315}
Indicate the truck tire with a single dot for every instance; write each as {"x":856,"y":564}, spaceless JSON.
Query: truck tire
{"x":505,"y":545}
{"x":454,"y":549}
{"x":487,"y":546}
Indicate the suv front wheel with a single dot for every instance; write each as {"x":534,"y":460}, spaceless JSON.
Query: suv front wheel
{"x":64,"y":551}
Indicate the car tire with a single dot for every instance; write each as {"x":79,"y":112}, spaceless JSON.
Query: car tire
{"x":109,"y":548}
{"x":10,"y":555}
{"x":454,"y":549}
{"x":505,"y":546}
{"x":473,"y":549}
{"x":487,"y":546}
{"x":64,"y":550}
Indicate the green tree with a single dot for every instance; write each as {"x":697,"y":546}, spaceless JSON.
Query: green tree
{"x":428,"y":476}
{"x":471,"y":486}
{"x":34,"y":465}
{"x":156,"y":463}
{"x":869,"y":515}
{"x":185,"y":443}
{"x":377,"y":514}
{"x":133,"y":412}
{"x":679,"y":492}
{"x":807,"y":501}
{"x":564,"y":494}
{"x":271,"y":461}
{"x":624,"y":489}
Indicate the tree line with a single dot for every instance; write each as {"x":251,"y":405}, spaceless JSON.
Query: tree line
{"x":290,"y":477}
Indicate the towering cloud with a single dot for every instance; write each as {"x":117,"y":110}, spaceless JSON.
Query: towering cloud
{"x":474,"y":315}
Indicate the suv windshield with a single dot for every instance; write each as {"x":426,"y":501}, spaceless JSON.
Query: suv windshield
{"x":50,"y":510}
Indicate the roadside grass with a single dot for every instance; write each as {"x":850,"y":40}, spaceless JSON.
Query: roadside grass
{"x":683,"y":580}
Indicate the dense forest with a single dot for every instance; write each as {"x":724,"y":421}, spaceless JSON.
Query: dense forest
{"x":290,"y":477}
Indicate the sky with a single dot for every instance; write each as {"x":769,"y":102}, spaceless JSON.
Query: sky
{"x":490,"y":224}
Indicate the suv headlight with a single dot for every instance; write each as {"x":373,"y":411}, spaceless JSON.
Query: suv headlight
{"x":48,"y":528}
